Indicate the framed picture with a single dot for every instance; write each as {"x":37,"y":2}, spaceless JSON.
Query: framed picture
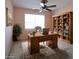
{"x":8,"y":18}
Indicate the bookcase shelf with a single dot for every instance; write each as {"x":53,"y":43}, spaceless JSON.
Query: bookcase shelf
{"x":63,"y":25}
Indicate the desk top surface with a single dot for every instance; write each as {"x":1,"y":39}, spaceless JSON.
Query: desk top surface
{"x":39,"y":34}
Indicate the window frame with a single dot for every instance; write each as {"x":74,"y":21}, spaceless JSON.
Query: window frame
{"x":29,"y":29}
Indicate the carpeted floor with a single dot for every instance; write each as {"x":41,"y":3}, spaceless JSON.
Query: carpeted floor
{"x":64,"y":51}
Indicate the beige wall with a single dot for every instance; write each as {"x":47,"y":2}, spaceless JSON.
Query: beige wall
{"x":19,"y":16}
{"x":67,"y":8}
{"x":48,"y":20}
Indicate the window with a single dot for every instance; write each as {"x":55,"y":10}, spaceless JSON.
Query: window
{"x":31,"y":21}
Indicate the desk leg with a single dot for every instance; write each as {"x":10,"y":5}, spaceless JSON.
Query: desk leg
{"x":35,"y":46}
{"x":55,"y":41}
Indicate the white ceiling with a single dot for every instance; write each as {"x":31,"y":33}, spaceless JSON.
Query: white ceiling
{"x":35,"y":4}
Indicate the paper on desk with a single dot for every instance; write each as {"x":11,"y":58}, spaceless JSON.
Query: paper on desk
{"x":38,"y":34}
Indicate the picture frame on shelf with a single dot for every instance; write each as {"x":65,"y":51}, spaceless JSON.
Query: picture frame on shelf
{"x":8,"y":18}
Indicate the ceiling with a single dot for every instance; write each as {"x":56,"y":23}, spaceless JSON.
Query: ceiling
{"x":35,"y":4}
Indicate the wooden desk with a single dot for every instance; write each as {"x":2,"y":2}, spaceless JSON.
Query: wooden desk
{"x":34,"y":42}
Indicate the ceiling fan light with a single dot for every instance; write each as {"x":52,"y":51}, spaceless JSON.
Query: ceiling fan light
{"x":42,"y":4}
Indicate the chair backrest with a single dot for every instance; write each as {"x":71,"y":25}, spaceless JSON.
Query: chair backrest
{"x":38,"y":28}
{"x":45,"y":31}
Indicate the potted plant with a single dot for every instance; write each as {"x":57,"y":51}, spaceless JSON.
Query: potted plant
{"x":16,"y":32}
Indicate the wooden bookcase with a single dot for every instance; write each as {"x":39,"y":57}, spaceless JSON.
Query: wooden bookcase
{"x":63,"y":25}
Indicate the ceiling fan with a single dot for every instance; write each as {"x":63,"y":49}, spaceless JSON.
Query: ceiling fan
{"x":44,"y":6}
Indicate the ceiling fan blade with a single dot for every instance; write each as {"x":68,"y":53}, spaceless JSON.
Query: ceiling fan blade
{"x":48,"y":9}
{"x":51,"y":6}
